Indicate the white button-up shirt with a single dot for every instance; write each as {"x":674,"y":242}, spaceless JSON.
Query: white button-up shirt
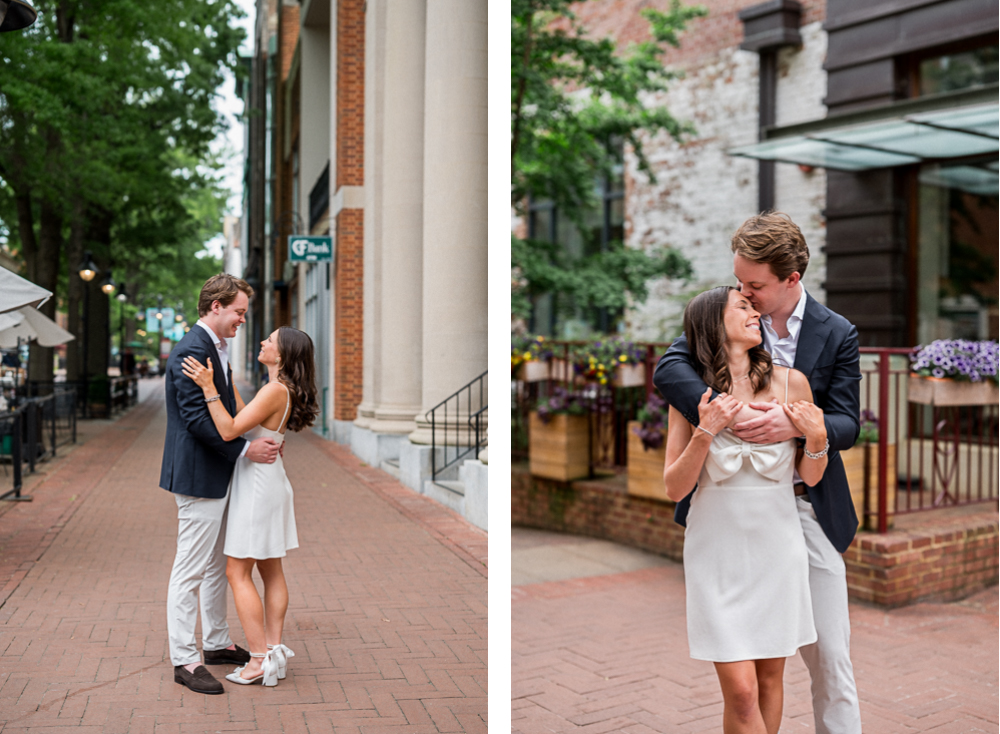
{"x":222,"y":347}
{"x":783,"y":350}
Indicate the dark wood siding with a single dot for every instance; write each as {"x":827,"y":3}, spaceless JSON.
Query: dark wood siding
{"x":869,"y":239}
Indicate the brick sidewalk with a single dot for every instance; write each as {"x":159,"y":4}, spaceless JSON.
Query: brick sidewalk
{"x":609,"y":654}
{"x":387,"y":614}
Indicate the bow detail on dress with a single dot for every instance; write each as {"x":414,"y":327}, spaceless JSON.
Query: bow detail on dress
{"x":726,"y":458}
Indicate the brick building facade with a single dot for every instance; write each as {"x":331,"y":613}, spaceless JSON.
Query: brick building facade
{"x":873,"y":243}
{"x":350,"y":99}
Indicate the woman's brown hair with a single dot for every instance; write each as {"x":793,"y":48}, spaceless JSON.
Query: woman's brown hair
{"x":705,"y":329}
{"x":297,"y":371}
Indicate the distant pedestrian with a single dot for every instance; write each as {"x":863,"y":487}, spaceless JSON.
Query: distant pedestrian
{"x":770,"y":257}
{"x":261,"y":526}
{"x":197,"y":468}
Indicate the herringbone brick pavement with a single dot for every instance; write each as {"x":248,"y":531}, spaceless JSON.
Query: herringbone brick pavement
{"x":387,"y":614}
{"x":609,"y":654}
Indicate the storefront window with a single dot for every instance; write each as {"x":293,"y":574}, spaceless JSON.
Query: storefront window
{"x":964,"y":70}
{"x":957,"y":261}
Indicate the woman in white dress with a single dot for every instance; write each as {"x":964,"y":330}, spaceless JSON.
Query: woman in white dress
{"x":745,"y":560}
{"x":260,"y":527}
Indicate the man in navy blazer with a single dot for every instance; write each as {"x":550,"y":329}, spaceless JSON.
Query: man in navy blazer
{"x":197,"y":466}
{"x":770,"y":257}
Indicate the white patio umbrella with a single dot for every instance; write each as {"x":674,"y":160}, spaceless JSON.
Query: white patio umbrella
{"x":16,"y":292}
{"x":32,"y":325}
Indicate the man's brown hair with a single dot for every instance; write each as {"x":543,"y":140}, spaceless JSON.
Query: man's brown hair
{"x":222,"y":288}
{"x":774,"y":239}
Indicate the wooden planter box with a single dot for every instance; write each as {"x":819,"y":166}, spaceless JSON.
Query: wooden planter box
{"x":559,"y":449}
{"x":944,"y":391}
{"x":645,"y":466}
{"x":854,"y":467}
{"x":630,"y":375}
{"x":532,"y":372}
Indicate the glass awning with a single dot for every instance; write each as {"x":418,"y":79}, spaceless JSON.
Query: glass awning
{"x":934,"y":128}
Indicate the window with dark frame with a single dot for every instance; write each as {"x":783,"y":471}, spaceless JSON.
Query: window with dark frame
{"x":602,"y":225}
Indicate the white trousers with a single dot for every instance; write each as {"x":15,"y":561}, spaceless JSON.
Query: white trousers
{"x":199,"y":573}
{"x":834,"y":693}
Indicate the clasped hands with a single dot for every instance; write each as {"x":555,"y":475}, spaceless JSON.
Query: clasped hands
{"x":779,"y":422}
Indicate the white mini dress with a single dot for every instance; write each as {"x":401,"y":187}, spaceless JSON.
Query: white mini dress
{"x":746,"y":567}
{"x":261,"y":522}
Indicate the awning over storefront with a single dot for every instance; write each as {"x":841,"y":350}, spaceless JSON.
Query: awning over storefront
{"x":938,"y":128}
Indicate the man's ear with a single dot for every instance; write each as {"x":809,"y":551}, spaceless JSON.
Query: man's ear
{"x":794,"y":279}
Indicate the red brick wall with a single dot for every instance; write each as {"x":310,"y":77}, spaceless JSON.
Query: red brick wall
{"x":944,"y":561}
{"x":349,"y":305}
{"x":599,"y":509}
{"x":350,"y":222}
{"x":720,"y":29}
{"x":350,"y":93}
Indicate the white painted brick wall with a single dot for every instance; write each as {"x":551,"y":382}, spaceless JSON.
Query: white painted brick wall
{"x":702,"y":195}
{"x":801,"y":89}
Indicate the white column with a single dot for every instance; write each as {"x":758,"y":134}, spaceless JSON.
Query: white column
{"x":396,"y":212}
{"x":454,"y":222}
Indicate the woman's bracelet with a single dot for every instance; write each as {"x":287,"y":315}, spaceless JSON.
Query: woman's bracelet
{"x":706,"y":431}
{"x":213,"y":398}
{"x":821,"y":454}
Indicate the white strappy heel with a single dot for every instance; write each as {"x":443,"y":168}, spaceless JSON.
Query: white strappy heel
{"x":281,"y":654}
{"x":268,"y":675}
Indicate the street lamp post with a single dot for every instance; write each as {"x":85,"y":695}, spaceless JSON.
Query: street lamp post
{"x":107,"y":288}
{"x":122,"y":297}
{"x":87,"y":272}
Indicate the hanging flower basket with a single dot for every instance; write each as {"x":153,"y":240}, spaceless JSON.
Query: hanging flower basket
{"x":559,"y":448}
{"x":532,"y":371}
{"x":946,"y":391}
{"x":630,"y":375}
{"x":954,"y":372}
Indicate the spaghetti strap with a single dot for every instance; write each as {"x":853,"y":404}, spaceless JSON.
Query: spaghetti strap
{"x":788,"y":371}
{"x":288,"y":405}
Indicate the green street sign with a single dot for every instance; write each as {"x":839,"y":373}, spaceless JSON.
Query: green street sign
{"x":302,"y":249}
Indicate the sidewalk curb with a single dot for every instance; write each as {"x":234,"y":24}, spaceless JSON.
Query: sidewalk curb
{"x":453,"y":531}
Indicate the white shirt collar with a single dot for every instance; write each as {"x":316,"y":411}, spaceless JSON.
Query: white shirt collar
{"x":219,"y":343}
{"x":794,"y":320}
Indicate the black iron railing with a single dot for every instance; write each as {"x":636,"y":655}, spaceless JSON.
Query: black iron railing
{"x":31,"y":433}
{"x":11,"y":455}
{"x":458,"y":425}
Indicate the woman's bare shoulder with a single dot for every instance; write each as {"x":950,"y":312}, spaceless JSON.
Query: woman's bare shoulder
{"x":798,"y":386}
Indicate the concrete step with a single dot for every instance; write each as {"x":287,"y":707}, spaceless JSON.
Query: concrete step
{"x":390,"y":466}
{"x":451,"y":494}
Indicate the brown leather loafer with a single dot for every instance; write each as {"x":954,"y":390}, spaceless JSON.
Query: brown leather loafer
{"x":239,"y":656}
{"x":200,"y":681}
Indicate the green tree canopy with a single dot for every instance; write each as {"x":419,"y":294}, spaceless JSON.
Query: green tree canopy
{"x":574,"y":101}
{"x":106,"y":120}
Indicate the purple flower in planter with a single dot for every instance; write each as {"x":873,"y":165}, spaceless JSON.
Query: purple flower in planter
{"x":653,"y":419}
{"x":957,"y":359}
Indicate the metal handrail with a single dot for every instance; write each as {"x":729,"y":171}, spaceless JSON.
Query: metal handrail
{"x":475,"y":416}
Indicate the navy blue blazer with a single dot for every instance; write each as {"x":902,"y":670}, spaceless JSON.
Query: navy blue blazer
{"x":828,"y":355}
{"x":196,"y":461}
